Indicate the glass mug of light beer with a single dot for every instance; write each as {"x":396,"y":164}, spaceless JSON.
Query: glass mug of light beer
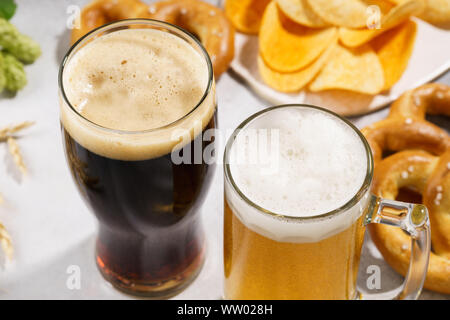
{"x":295,"y":213}
{"x":135,"y":98}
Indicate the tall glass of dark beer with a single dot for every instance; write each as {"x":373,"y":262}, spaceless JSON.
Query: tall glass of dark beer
{"x":137,"y":104}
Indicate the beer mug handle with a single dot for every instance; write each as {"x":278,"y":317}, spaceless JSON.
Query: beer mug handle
{"x":413,"y":219}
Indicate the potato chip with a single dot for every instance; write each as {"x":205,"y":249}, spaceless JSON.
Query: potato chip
{"x":437,"y":12}
{"x":399,"y":14}
{"x":300,"y":12}
{"x":394,"y":50}
{"x":287,"y":46}
{"x":347,"y":13}
{"x":246,"y":15}
{"x":357,"y":69}
{"x":293,"y":81}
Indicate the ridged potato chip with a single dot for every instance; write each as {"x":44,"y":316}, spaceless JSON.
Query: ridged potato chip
{"x":294,"y":81}
{"x":301,"y":12}
{"x":287,"y":46}
{"x":394,"y":50}
{"x":357,"y":69}
{"x":347,"y":13}
{"x":246,"y":15}
{"x":399,"y":14}
{"x":437,"y":12}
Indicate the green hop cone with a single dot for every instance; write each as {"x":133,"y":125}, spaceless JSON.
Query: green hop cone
{"x":19,"y":45}
{"x":2,"y":73}
{"x":14,"y":73}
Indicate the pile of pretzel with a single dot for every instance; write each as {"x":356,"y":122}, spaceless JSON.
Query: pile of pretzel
{"x":421,"y":162}
{"x":205,"y":21}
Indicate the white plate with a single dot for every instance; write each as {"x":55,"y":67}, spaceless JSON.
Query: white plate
{"x":430,"y":58}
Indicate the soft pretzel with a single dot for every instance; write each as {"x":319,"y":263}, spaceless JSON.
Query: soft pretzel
{"x":423,"y":164}
{"x":430,"y":176}
{"x":205,"y":21}
{"x":100,"y":12}
{"x":432,"y":98}
{"x":406,"y":127}
{"x":436,"y":198}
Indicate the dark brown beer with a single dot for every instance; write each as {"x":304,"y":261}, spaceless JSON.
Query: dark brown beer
{"x":137,"y":104}
{"x":150,"y":231}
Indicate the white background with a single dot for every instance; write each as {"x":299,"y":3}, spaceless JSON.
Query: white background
{"x":49,"y":224}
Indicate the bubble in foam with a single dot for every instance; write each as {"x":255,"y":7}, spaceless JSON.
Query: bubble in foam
{"x":322,"y":164}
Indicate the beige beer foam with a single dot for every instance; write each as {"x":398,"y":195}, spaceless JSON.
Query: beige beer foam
{"x":322,"y":165}
{"x":140,"y":83}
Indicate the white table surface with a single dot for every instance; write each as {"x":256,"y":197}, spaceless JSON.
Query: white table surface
{"x":50,"y":226}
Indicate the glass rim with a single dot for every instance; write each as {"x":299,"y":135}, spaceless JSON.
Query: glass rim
{"x":343,"y":208}
{"x":127,"y":22}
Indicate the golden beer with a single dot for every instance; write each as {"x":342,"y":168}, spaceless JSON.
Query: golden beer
{"x":297,"y":200}
{"x":257,"y":267}
{"x":293,"y":225}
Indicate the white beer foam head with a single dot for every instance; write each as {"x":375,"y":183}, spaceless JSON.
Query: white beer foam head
{"x":133,"y":81}
{"x":318,"y":165}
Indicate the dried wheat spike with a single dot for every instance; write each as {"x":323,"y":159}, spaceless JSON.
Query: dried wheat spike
{"x":15,"y":152}
{"x":5,"y":242}
{"x":9,"y":130}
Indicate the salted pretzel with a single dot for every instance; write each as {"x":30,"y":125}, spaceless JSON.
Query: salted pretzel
{"x":423,"y":164}
{"x":205,"y":21}
{"x":430,"y":176}
{"x":406,"y":127}
{"x":100,"y":12}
